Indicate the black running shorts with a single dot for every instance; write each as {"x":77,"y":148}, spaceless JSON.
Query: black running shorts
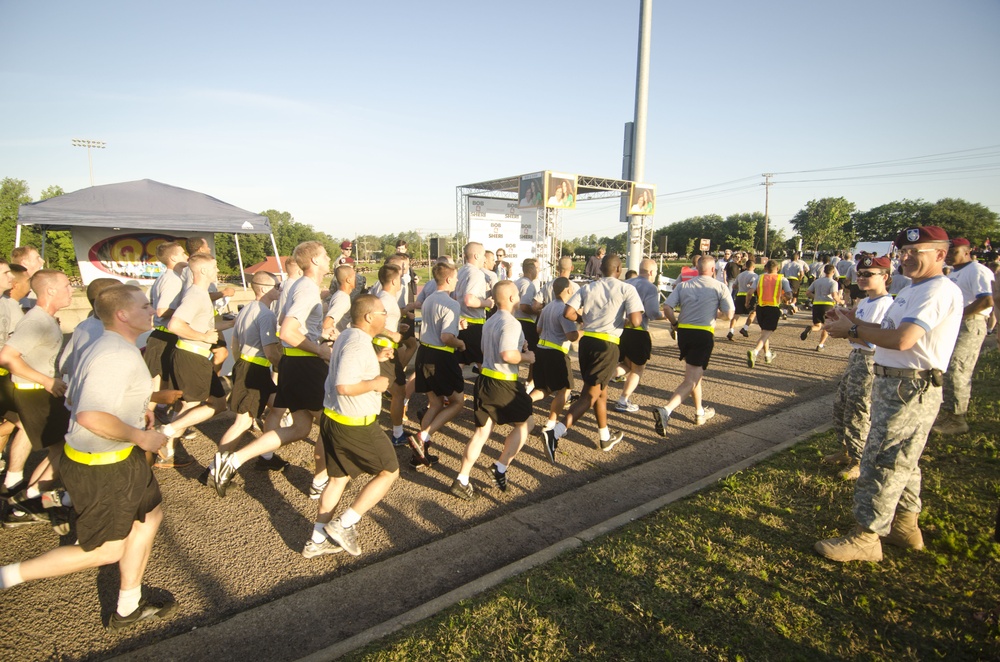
{"x":553,"y":371}
{"x":473,"y":339}
{"x":819,"y":312}
{"x":301,"y":383}
{"x":157,"y":355}
{"x":352,"y":450}
{"x":636,"y":346}
{"x":598,"y":361}
{"x":501,"y":401}
{"x":43,"y":418}
{"x":393,"y":369}
{"x":745,"y":304}
{"x":194,"y":374}
{"x":438,"y":371}
{"x":767,"y":317}
{"x":696,"y":346}
{"x":108,"y":498}
{"x":530,"y":330}
{"x":252,"y":386}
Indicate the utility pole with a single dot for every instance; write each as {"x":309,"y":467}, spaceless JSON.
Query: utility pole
{"x":638,"y":171}
{"x":767,"y":193}
{"x":96,"y":144}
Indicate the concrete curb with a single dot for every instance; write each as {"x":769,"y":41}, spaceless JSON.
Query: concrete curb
{"x":492,"y":579}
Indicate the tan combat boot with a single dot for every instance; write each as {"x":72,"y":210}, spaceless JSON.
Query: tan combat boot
{"x":840,"y":457}
{"x":852,"y":472}
{"x":858,"y":545}
{"x":951,"y":424}
{"x":905,"y":533}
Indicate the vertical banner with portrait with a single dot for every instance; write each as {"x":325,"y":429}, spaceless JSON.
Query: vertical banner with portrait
{"x":642,"y":200}
{"x":504,"y":229}
{"x":560,"y":190}
{"x":531,"y":190}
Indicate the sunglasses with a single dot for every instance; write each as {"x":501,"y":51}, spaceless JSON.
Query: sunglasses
{"x":869,"y":274}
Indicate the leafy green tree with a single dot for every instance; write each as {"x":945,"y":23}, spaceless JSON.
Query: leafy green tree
{"x":742,"y":231}
{"x":825,"y":223}
{"x":961,"y":218}
{"x":13,"y":194}
{"x":884,"y":222}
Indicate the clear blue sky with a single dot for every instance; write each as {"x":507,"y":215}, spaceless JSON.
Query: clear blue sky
{"x":364,"y":116}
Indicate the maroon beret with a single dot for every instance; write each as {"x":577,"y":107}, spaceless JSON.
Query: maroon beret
{"x":869,"y":262}
{"x":345,"y":245}
{"x":960,"y":241}
{"x":924,"y":233}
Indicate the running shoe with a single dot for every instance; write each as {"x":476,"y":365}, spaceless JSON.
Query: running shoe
{"x":500,"y":478}
{"x":24,"y":514}
{"x":730,"y":337}
{"x":769,"y":356}
{"x":820,"y":348}
{"x":224,"y":474}
{"x":346,"y":537}
{"x":616,"y":436}
{"x":573,"y":397}
{"x":700,"y":419}
{"x":274,"y":464}
{"x":751,"y":358}
{"x":466,"y":492}
{"x":401,"y":440}
{"x":660,"y":418}
{"x":550,"y":442}
{"x":620,"y":379}
{"x":744,"y":333}
{"x":314,"y":549}
{"x":315,"y":491}
{"x":626,"y":406}
{"x":421,"y":459}
{"x":804,"y":335}
{"x":8,"y":492}
{"x":148,"y":610}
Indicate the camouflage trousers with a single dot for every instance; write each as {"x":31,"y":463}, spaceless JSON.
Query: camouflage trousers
{"x":852,"y":406}
{"x":903,"y":411}
{"x":958,"y":379}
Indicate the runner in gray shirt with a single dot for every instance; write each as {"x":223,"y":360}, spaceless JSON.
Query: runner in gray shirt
{"x":825,"y":295}
{"x":165,"y":296}
{"x":746,"y":285}
{"x":338,"y":314}
{"x":701,"y":300}
{"x":636,"y":345}
{"x":473,"y":295}
{"x":352,"y":439}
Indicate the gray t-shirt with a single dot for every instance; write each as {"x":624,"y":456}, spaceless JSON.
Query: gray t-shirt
{"x":38,"y":338}
{"x":304,"y":304}
{"x":553,"y":325}
{"x":352,"y":361}
{"x":197,"y":310}
{"x":165,"y":293}
{"x":545,"y":295}
{"x":471,"y":280}
{"x":605,"y":303}
{"x":700,"y":299}
{"x":255,"y":328}
{"x":126,"y":396}
{"x":491,"y":278}
{"x":501,"y":333}
{"x":10,"y":315}
{"x":650,"y":298}
{"x":340,"y":310}
{"x":746,"y":282}
{"x":527,"y":289}
{"x":392,"y":311}
{"x":823,"y":290}
{"x":440,"y":314}
{"x":794,"y":269}
{"x":84,"y":335}
{"x":430,"y":287}
{"x":286,"y":285}
{"x":843,"y":266}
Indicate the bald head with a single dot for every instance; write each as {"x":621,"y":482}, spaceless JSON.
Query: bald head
{"x":565,"y":266}
{"x":611,"y":266}
{"x":505,"y":295}
{"x":647,"y":268}
{"x":706,"y":266}
{"x":345,"y":276}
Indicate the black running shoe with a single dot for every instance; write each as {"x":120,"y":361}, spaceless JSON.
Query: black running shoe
{"x":274,"y":464}
{"x":149,"y":610}
{"x":500,"y":478}
{"x":8,"y":492}
{"x":744,"y":333}
{"x":549,"y":440}
{"x":804,"y":335}
{"x":24,"y":514}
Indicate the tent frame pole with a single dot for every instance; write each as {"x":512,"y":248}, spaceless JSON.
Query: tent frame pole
{"x":17,"y":236}
{"x":277,"y":258}
{"x":239,"y":258}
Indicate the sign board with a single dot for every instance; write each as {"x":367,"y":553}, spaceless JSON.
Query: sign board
{"x":706,"y":244}
{"x":123,"y":253}
{"x":642,"y":200}
{"x":500,"y":224}
{"x":531,"y":190}
{"x":560,"y":190}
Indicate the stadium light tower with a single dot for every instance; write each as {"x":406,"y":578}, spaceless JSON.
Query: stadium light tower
{"x":96,"y":144}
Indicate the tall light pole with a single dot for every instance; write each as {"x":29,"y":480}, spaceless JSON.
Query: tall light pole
{"x":96,"y":144}
{"x":638,"y":170}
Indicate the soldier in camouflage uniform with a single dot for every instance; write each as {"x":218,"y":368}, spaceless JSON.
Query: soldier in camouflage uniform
{"x":852,"y":409}
{"x":913,"y":345}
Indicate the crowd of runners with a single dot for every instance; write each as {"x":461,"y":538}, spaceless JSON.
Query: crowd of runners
{"x":107,"y":415}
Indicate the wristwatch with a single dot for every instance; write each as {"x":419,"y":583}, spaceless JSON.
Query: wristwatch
{"x":853,"y":332}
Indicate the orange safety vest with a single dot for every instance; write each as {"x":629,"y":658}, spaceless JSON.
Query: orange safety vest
{"x":769,"y":290}
{"x":687,"y":273}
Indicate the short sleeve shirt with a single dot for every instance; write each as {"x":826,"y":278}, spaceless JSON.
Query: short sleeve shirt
{"x":429,"y":288}
{"x":746,"y":282}
{"x":38,"y":338}
{"x":340,"y":310}
{"x":84,"y":335}
{"x":10,"y":315}
{"x":975,"y":281}
{"x":650,"y":298}
{"x":935,"y":305}
{"x":871,"y":310}
{"x":197,"y":310}
{"x":605,"y":303}
{"x":392,"y":311}
{"x":125,"y":397}
{"x":554,"y":325}
{"x":527,"y":289}
{"x":165,"y":293}
{"x":823,"y":290}
{"x":352,"y":361}
{"x":440,"y":314}
{"x":304,"y":304}
{"x":545,"y":296}
{"x":501,"y":333}
{"x":700,"y":299}
{"x":256,"y":327}
{"x":471,"y":281}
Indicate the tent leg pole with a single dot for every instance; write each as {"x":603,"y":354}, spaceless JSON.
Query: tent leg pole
{"x":239,"y":258}
{"x":277,"y":257}
{"x":17,"y":236}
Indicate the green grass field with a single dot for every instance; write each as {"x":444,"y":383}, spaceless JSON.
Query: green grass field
{"x":729,"y":573}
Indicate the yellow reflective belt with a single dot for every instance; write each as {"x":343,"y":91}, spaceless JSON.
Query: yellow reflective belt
{"x":4,"y":372}
{"x":607,"y":337}
{"x":710,"y":329}
{"x":443,"y":348}
{"x":28,"y":386}
{"x":111,"y":457}
{"x":355,"y":421}
{"x":493,"y":374}
{"x":475,"y":320}
{"x":525,"y":319}
{"x":741,"y":294}
{"x":259,"y":360}
{"x":295,"y":351}
{"x":194,"y":349}
{"x":552,"y":345}
{"x":164,"y":329}
{"x":384,"y":342}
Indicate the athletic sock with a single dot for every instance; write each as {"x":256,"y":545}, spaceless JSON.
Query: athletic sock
{"x":319,"y":485}
{"x":128,"y":600}
{"x":463,"y":479}
{"x":560,"y":430}
{"x":605,"y":434}
{"x":406,"y":401}
{"x":66,"y":500}
{"x":32,"y":492}
{"x":397,"y":431}
{"x":169,"y":432}
{"x":267,"y":456}
{"x":235,"y":461}
{"x":623,"y":401}
{"x":318,"y":535}
{"x":425,"y":436}
{"x":549,"y":425}
{"x":701,"y":411}
{"x":502,"y":468}
{"x":669,"y":411}
{"x":349,"y":518}
{"x":10,"y":575}
{"x":746,"y":327}
{"x":13,"y":478}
